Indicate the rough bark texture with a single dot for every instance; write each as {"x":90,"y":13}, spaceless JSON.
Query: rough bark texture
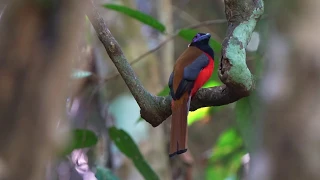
{"x":289,"y":145}
{"x":38,"y":39}
{"x":242,"y":17}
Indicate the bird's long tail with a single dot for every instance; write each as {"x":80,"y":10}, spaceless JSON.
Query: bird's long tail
{"x":178,"y":137}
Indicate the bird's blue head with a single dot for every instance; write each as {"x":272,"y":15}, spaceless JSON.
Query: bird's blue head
{"x":201,"y":41}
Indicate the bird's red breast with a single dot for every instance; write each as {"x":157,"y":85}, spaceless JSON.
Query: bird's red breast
{"x":203,"y":77}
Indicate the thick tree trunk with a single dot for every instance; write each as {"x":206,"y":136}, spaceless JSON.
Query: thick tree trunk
{"x":289,"y":146}
{"x":38,"y":39}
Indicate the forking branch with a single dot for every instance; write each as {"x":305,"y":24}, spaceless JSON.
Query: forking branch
{"x":170,"y":38}
{"x":233,"y":70}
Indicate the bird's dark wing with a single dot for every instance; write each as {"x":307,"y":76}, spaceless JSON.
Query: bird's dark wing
{"x":170,"y":84}
{"x":190,"y":74}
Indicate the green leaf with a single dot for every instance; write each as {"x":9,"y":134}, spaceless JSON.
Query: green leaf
{"x":188,"y":35}
{"x":225,"y":161}
{"x":81,"y":138}
{"x":128,"y":147}
{"x":103,"y":173}
{"x":164,"y":92}
{"x":228,"y":142}
{"x":140,"y":16}
{"x":199,"y":114}
{"x":211,"y":83}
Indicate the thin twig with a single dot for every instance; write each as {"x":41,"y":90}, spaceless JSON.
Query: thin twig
{"x":192,"y":20}
{"x":171,"y":37}
{"x":207,"y":23}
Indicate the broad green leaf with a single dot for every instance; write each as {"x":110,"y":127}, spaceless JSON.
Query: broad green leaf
{"x":140,"y":16}
{"x":188,"y":35}
{"x":103,"y":173}
{"x":79,"y":74}
{"x":81,"y":138}
{"x":128,"y":147}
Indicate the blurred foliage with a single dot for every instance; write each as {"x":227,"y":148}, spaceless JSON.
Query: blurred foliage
{"x":244,"y":110}
{"x":138,"y":15}
{"x":225,"y":160}
{"x":103,"y":173}
{"x":199,"y":114}
{"x":128,"y":147}
{"x":127,"y":121}
{"x":186,"y":34}
{"x":81,"y":138}
{"x":79,"y":74}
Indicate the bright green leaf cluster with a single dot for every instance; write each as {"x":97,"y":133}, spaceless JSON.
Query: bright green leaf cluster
{"x":128,"y":147}
{"x":228,"y":142}
{"x":226,"y":158}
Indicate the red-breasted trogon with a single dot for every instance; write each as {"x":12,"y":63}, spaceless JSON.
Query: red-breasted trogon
{"x":191,"y":71}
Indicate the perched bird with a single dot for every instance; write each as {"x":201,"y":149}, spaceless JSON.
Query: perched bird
{"x":191,"y":71}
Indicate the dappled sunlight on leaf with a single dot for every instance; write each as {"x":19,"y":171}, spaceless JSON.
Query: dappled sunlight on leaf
{"x":197,"y":115}
{"x":211,"y":83}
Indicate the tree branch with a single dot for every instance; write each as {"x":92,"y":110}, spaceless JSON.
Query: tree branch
{"x":242,"y":17}
{"x":170,"y":38}
{"x":156,"y":109}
